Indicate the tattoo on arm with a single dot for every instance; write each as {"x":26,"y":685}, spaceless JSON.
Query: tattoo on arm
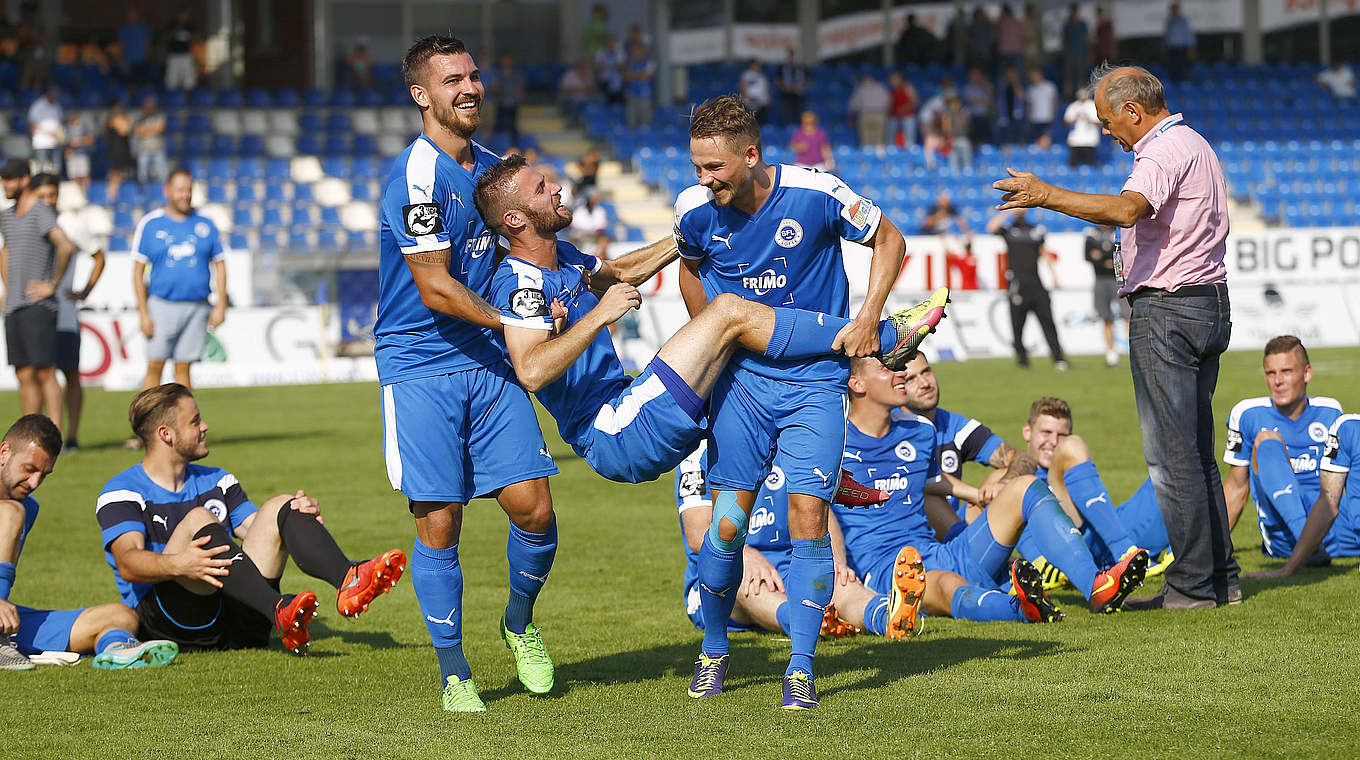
{"x":1002,"y":457}
{"x":1022,"y":464}
{"x":430,"y":257}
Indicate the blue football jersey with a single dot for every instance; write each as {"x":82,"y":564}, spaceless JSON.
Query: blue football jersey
{"x":1342,"y":454}
{"x":768,"y":529}
{"x":901,"y":463}
{"x":132,"y":503}
{"x":180,"y":252}
{"x":787,"y":254}
{"x":522,"y":292}
{"x":960,"y":439}
{"x":427,"y":206}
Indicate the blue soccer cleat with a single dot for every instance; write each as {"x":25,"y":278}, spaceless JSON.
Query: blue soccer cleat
{"x":799,"y":691}
{"x":709,"y":674}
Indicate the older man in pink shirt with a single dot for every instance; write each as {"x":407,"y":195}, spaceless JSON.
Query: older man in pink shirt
{"x":1172,"y":273}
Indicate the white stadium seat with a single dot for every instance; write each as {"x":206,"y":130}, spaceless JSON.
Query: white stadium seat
{"x":305,"y":169}
{"x":359,"y":216}
{"x":331,"y":192}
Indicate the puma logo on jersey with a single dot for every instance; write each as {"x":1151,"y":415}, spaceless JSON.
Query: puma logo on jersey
{"x":1289,"y":489}
{"x":727,"y":241}
{"x":160,"y":519}
{"x":458,"y":198}
{"x":818,"y":472}
{"x":1097,"y":500}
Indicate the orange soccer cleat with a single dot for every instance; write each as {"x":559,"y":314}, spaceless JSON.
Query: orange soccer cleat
{"x":1113,"y":586}
{"x":292,"y":615}
{"x":367,"y":580}
{"x":904,"y":601}
{"x":834,"y":626}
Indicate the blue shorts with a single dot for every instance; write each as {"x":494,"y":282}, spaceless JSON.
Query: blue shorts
{"x":966,"y":553}
{"x":453,"y":437}
{"x":753,"y":416}
{"x":643,"y":432}
{"x":1142,"y":518}
{"x":780,"y":560}
{"x":1343,"y":540}
{"x":45,"y":630}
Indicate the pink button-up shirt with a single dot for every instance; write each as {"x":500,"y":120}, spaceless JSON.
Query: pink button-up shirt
{"x":1183,"y":241}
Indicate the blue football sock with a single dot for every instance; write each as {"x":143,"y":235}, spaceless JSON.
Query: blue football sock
{"x":781,"y":613}
{"x":1279,"y":487}
{"x":984,"y":605}
{"x":114,"y":637}
{"x":531,"y":557}
{"x":811,"y":572}
{"x":6,"y":579}
{"x":1026,"y":547}
{"x":719,"y":575}
{"x":438,"y":581}
{"x":1056,"y":538}
{"x":1100,"y":552}
{"x":1092,"y":500}
{"x":800,"y":334}
{"x":876,"y":615}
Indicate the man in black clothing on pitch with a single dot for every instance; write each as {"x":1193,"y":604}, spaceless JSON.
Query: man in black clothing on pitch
{"x":1024,"y":246}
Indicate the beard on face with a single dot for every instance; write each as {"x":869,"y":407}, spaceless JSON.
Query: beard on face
{"x":456,"y":121}
{"x":549,"y":222}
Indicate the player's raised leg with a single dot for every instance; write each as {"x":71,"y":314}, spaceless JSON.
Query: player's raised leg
{"x":1074,"y":479}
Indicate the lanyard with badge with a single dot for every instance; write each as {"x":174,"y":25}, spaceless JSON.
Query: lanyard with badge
{"x":1118,"y":251}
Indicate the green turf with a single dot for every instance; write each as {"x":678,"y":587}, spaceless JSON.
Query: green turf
{"x":1277,"y":676}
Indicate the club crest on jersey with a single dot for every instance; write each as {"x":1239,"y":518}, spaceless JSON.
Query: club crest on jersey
{"x":789,"y":233}
{"x":775,"y":480}
{"x":905,"y":451}
{"x":1317,"y":431}
{"x":201,"y":229}
{"x":858,"y":214}
{"x":949,"y":461}
{"x":528,"y":302}
{"x":218,"y":509}
{"x":691,"y":484}
{"x":422,"y":219}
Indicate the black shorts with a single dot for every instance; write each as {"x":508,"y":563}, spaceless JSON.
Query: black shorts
{"x":68,"y":352}
{"x":196,"y":622}
{"x":31,"y":336}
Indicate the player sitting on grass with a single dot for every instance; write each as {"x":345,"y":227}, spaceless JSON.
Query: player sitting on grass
{"x":28,"y":453}
{"x":761,"y":601}
{"x":630,"y":430}
{"x":167,"y":527}
{"x":1274,"y":446}
{"x":893,"y":450}
{"x":1333,"y":524}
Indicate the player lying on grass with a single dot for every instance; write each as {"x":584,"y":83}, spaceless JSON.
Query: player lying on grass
{"x":1333,"y":524}
{"x":28,"y":453}
{"x":761,"y":599}
{"x":629,"y":430}
{"x":167,"y":528}
{"x":1274,"y":446}
{"x":893,"y":450}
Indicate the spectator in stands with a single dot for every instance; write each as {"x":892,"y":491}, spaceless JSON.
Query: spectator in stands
{"x":181,"y":72}
{"x":588,"y":169}
{"x":1338,"y":79}
{"x":359,"y":66}
{"x":596,"y":33}
{"x":1100,"y":245}
{"x":902,"y":124}
{"x":574,"y":90}
{"x":945,"y":221}
{"x":956,"y":124}
{"x":931,"y":119}
{"x":1041,"y":99}
{"x":810,"y":145}
{"x":1034,"y":37}
{"x":148,"y":143}
{"x":507,"y":90}
{"x":868,"y":106}
{"x":46,"y":126}
{"x":1076,"y":37}
{"x":1010,"y":38}
{"x":35,"y":59}
{"x":979,"y":97}
{"x":36,"y":255}
{"x":1083,"y":134}
{"x":1013,"y":123}
{"x":117,"y":138}
{"x":1105,"y":39}
{"x":793,"y":82}
{"x":1179,"y":42}
{"x":639,"y":86}
{"x":609,"y":71}
{"x":980,"y":42}
{"x":917,"y":44}
{"x":590,"y":225}
{"x":134,"y":46}
{"x":173,"y":302}
{"x":636,"y":36}
{"x":1024,"y":249}
{"x":755,"y":89}
{"x":79,"y":144}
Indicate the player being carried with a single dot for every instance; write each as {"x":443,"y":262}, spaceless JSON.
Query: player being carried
{"x":28,"y":453}
{"x":167,"y":527}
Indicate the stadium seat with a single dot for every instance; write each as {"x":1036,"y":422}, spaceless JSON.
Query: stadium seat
{"x":305,"y":169}
{"x":328,"y":240}
{"x":227,"y":122}
{"x":299,"y":241}
{"x":276,"y":192}
{"x":283,"y":122}
{"x":302,"y":215}
{"x":308,"y":145}
{"x":303,"y":192}
{"x":118,"y":243}
{"x":359,"y":216}
{"x":310,"y":121}
{"x":245,"y":192}
{"x":358,"y":240}
{"x":280,"y":146}
{"x":332,"y":191}
{"x":272,"y":218}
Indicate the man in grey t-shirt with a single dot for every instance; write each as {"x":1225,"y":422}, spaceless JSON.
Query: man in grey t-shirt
{"x":33,"y":262}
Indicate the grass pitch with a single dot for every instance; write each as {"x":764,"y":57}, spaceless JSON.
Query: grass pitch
{"x":1275,"y":677}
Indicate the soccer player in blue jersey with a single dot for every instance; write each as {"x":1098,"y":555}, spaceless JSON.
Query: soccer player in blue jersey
{"x":761,"y":601}
{"x":184,"y":252}
{"x":1275,"y":444}
{"x":773,"y":234}
{"x":1333,"y":524}
{"x":893,"y":450}
{"x":456,"y":424}
{"x":167,"y":526}
{"x":630,"y":430}
{"x":28,"y":453}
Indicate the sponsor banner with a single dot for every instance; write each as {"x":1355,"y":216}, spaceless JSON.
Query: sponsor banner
{"x":1281,"y":14}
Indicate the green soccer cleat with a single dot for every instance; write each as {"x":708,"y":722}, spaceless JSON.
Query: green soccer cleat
{"x":532,"y":663}
{"x":1163,"y":562}
{"x":1054,"y":578}
{"x":147,"y":654}
{"x":913,"y":325}
{"x":461,"y":696}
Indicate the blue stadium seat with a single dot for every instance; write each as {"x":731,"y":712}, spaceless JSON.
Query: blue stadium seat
{"x":197,"y":144}
{"x":272,"y":218}
{"x":343,"y":98}
{"x":123,"y":220}
{"x":303,"y":192}
{"x":118,"y":242}
{"x":309,"y":121}
{"x":217,"y":193}
{"x":286,"y":97}
{"x":338,"y":121}
{"x":98,"y":194}
{"x":276,"y":192}
{"x":330,"y":216}
{"x":231,"y":99}
{"x":359,"y":191}
{"x":336,"y":145}
{"x":273,"y":241}
{"x":129,"y":193}
{"x":297,"y":241}
{"x":242,"y":217}
{"x":335,"y":166}
{"x":302,"y":215}
{"x":223,"y":145}
{"x":252,"y":146}
{"x":258,"y":97}
{"x":174,"y":99}
{"x":250,"y":168}
{"x":314,"y":98}
{"x":328,"y":240}
{"x":276,"y":170}
{"x":365,"y":145}
{"x":245,"y":192}
{"x":238,"y":241}
{"x":367,"y":167}
{"x":357,"y":241}
{"x":308,"y":144}
{"x":203,"y":98}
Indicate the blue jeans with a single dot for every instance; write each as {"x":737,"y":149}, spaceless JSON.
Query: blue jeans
{"x":1175,"y":341}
